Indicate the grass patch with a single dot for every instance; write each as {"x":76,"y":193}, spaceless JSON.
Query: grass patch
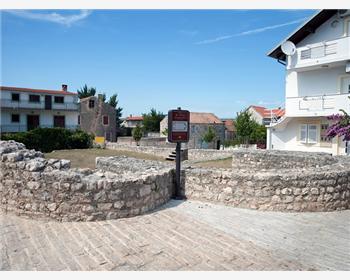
{"x":216,"y":163}
{"x":85,"y":158}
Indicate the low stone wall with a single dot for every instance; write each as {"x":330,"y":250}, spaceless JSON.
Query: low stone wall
{"x":193,"y":154}
{"x":207,"y":154}
{"x":162,"y":152}
{"x":33,"y":186}
{"x":146,"y":142}
{"x":272,"y":159}
{"x":313,"y":188}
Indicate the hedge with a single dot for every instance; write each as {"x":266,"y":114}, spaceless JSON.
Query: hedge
{"x":48,"y":139}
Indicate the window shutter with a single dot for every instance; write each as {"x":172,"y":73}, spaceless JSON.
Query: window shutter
{"x":303,"y":133}
{"x":312,"y":134}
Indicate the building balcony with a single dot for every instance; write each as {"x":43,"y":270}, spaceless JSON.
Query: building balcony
{"x":319,"y":54}
{"x":25,"y":104}
{"x":321,"y":105}
{"x":9,"y":128}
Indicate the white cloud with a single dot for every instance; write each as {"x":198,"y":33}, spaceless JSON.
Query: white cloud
{"x":189,"y":32}
{"x":66,"y":20}
{"x":249,"y":32}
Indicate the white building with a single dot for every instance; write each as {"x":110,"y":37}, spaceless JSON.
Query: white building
{"x":317,"y":84}
{"x":23,"y":109}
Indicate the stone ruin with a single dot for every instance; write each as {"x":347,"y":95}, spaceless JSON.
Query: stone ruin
{"x":119,"y":187}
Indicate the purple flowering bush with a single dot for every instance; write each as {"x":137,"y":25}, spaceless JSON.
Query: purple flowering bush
{"x":340,"y":126}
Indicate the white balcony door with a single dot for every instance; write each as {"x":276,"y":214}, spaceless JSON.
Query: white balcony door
{"x":345,"y":85}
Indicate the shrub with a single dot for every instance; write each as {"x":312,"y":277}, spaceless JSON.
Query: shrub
{"x":48,"y":139}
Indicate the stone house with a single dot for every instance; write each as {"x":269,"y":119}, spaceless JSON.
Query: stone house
{"x":230,"y":129}
{"x":98,"y":117}
{"x":132,"y":121}
{"x":199,"y":125}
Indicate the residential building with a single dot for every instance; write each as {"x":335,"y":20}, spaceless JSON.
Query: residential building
{"x":317,"y":64}
{"x":23,"y":109}
{"x":265,"y":116}
{"x":98,"y":117}
{"x":199,"y":125}
{"x":230,"y":129}
{"x":132,"y":121}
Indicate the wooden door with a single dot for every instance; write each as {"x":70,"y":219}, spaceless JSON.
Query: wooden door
{"x":59,"y":121}
{"x":48,"y":102}
{"x":33,"y":121}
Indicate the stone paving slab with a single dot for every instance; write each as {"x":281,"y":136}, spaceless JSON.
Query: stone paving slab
{"x":180,"y":236}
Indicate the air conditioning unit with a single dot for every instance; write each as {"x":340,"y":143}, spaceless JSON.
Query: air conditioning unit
{"x":343,"y":13}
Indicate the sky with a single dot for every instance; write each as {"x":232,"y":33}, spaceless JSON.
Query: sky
{"x":199,"y":60}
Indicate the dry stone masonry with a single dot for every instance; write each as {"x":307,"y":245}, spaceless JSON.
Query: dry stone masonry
{"x":33,"y":186}
{"x":275,"y":180}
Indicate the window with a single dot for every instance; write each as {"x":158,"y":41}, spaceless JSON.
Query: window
{"x":15,"y":118}
{"x":15,"y":96}
{"x":308,"y":133}
{"x":59,"y":99}
{"x":34,"y":98}
{"x":79,"y":119}
{"x":105,"y":120}
{"x":91,"y":103}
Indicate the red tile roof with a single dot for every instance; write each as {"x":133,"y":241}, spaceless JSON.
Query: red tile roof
{"x":135,"y":118}
{"x":229,"y":124}
{"x":266,"y":113}
{"x":17,"y":89}
{"x":204,"y":118}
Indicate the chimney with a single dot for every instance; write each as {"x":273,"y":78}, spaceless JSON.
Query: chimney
{"x":64,"y":87}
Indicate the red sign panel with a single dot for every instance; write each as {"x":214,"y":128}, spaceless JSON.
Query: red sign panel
{"x":178,"y":126}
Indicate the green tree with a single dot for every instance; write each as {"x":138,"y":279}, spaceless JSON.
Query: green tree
{"x":245,"y":126}
{"x":165,"y":132}
{"x":113,"y":101}
{"x":151,"y":121}
{"x":209,"y":136}
{"x":137,"y":134}
{"x":259,"y":134}
{"x":86,"y":92}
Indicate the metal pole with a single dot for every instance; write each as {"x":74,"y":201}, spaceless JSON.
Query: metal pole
{"x":178,"y":172}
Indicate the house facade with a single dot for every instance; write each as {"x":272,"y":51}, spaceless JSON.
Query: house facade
{"x":230,"y":129}
{"x":265,"y":116}
{"x":132,"y":121}
{"x":317,"y":84}
{"x":98,"y":117}
{"x":23,"y":109}
{"x":199,"y":125}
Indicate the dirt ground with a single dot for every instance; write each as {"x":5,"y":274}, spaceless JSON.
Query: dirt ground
{"x":85,"y":158}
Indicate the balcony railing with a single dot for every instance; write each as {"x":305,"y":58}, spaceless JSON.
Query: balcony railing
{"x":25,"y":104}
{"x":21,"y":127}
{"x":321,"y":53}
{"x":320,"y":105}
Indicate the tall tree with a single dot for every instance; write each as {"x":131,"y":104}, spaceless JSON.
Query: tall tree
{"x":151,"y":121}
{"x":245,"y":126}
{"x":86,"y":92}
{"x":113,"y":101}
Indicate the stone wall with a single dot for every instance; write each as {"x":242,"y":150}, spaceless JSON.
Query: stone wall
{"x":300,"y":182}
{"x":193,"y":154}
{"x":33,"y":186}
{"x":272,"y":159}
{"x":162,"y":152}
{"x":146,"y":141}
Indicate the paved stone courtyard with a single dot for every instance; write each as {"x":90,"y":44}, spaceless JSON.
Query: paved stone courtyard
{"x":181,"y":236}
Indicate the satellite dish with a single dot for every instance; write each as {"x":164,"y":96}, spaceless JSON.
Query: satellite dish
{"x":288,"y":48}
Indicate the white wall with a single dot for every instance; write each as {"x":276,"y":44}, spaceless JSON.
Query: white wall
{"x":255,"y":115}
{"x":287,"y":137}
{"x":325,"y":32}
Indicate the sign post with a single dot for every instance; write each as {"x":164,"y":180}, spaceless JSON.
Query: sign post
{"x":178,"y":132}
